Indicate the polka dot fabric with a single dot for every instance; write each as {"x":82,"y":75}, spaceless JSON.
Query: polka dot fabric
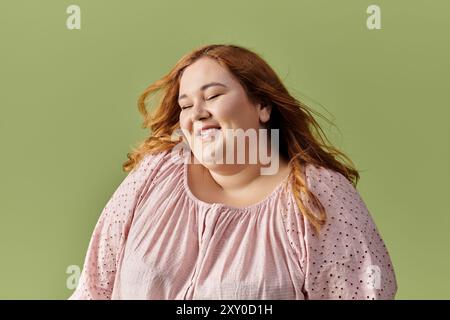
{"x":348,"y":259}
{"x":155,"y":240}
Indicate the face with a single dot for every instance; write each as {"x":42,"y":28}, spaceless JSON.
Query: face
{"x":210,"y":95}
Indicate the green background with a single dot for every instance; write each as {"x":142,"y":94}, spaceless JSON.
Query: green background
{"x":69,"y":116}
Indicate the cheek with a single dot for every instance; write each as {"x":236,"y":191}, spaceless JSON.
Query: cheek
{"x":238,"y":112}
{"x":185,"y":125}
{"x":183,"y":120}
{"x":230,"y":109}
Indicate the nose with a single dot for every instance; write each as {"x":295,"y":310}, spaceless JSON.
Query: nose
{"x":199,"y":112}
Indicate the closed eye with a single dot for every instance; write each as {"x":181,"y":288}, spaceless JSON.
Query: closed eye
{"x":212,"y":97}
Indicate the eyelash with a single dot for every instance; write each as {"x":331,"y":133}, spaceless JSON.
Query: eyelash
{"x":210,"y":98}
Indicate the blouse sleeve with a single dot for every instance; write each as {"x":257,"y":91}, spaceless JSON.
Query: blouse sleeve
{"x":97,"y":277}
{"x":348,"y":259}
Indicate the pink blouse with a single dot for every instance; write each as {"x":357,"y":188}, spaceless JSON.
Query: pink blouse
{"x":155,"y":240}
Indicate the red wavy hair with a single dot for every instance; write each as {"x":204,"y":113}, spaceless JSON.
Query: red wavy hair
{"x":302,"y":140}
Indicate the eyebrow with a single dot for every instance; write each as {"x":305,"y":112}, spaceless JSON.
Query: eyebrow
{"x":204,"y":87}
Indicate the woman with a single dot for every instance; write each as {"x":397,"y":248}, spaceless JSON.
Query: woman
{"x":198,"y":229}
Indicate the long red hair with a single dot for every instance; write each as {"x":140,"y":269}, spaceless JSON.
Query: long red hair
{"x":302,"y":140}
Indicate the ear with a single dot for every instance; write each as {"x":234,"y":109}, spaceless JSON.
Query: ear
{"x":264,"y":112}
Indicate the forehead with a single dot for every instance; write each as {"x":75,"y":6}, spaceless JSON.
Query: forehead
{"x":202,"y":71}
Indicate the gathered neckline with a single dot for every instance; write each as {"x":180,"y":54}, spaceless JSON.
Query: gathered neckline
{"x":224,"y":205}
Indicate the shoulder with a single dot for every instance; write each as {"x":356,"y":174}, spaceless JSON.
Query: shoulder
{"x":349,"y":244}
{"x":321,"y":178}
{"x":144,"y":170}
{"x":156,"y":161}
{"x":160,"y":170}
{"x":150,"y":160}
{"x":333,"y":189}
{"x":348,"y":217}
{"x":346,"y":211}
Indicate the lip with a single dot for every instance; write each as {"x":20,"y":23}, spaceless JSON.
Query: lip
{"x":209,"y":126}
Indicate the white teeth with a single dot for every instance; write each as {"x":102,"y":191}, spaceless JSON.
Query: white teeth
{"x":207,"y":133}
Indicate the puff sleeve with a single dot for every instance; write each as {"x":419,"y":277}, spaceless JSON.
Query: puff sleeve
{"x":97,"y":277}
{"x":348,"y":259}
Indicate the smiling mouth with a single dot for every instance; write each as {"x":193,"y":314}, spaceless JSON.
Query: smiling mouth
{"x":207,"y":128}
{"x":206,"y":134}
